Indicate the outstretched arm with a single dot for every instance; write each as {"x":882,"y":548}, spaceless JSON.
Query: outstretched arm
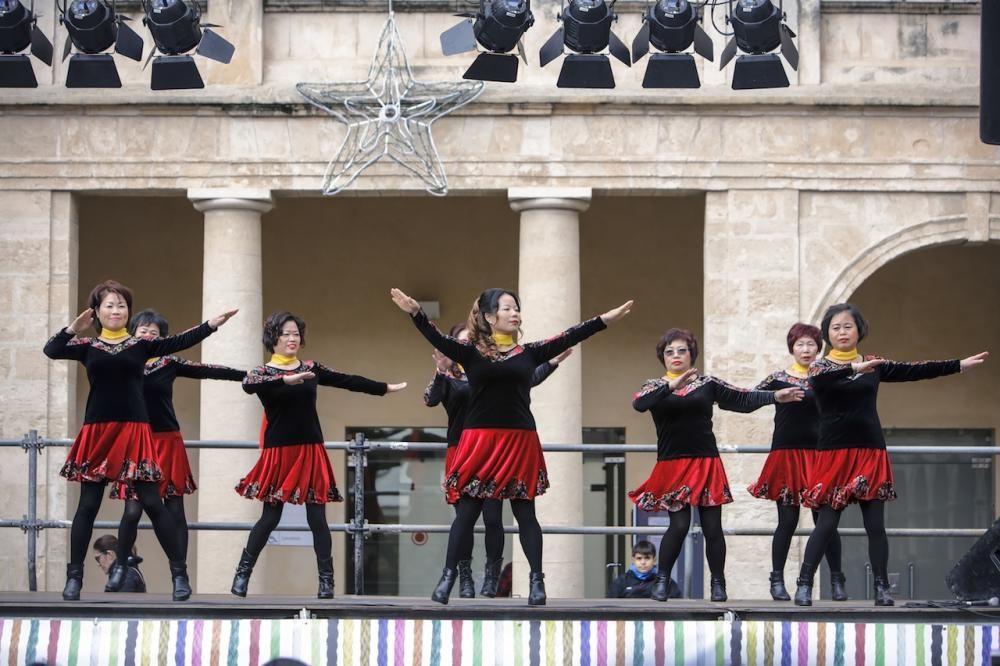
{"x":357,"y":383}
{"x":549,"y":349}
{"x":192,"y":370}
{"x":450,"y":347}
{"x":892,"y":371}
{"x":735,"y":399}
{"x":61,"y":346}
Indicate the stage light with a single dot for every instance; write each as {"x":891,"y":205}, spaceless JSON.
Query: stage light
{"x":18,"y":31}
{"x":94,"y":27}
{"x":671,"y":26}
{"x":758,"y":28}
{"x":585,"y":30}
{"x":498,"y":27}
{"x":176,"y":30}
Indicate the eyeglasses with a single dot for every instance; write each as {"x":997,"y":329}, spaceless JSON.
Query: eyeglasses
{"x":676,"y":351}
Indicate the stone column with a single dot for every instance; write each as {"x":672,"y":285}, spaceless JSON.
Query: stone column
{"x":549,"y":288}
{"x":231,"y":279}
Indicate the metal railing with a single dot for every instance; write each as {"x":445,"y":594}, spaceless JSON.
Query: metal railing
{"x":359,"y":528}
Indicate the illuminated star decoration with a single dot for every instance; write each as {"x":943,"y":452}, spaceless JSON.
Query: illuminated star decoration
{"x":388,"y":115}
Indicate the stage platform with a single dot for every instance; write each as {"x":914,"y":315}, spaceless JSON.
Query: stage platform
{"x":128,"y":629}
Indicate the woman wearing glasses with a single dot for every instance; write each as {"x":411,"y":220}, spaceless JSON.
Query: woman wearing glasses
{"x":688,"y":469}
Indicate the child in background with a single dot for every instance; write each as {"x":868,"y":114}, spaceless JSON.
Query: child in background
{"x":637,"y":582}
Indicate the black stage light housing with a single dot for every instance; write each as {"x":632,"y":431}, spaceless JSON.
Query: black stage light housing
{"x":758,"y":28}
{"x":176,"y":30}
{"x":586,"y":31}
{"x":671,"y":26}
{"x":94,"y":27}
{"x":497,"y":27}
{"x":18,"y":31}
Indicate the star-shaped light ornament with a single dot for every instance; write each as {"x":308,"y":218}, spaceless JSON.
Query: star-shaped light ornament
{"x":388,"y":115}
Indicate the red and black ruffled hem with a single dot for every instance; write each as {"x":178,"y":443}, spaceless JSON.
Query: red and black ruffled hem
{"x":679,"y":482}
{"x":785,"y":476}
{"x":112,"y":451}
{"x":171,"y":455}
{"x":845,"y":476}
{"x":496,"y":463}
{"x":295,"y":474}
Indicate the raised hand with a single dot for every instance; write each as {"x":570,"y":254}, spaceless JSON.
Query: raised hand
{"x":216,"y":322}
{"x":866,"y":367}
{"x":442,"y":362}
{"x":792,"y":394}
{"x":683,"y":380}
{"x":554,"y":362}
{"x":973,"y":361}
{"x":298,"y":377}
{"x":82,"y":322}
{"x":392,"y":388}
{"x":405,"y":303}
{"x":612,"y":316}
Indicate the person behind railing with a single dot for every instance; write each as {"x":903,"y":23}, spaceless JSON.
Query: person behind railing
{"x":499,"y":455}
{"x":784,"y":477}
{"x":450,"y":387}
{"x":852,"y":465}
{"x":639,"y":580}
{"x":106,"y":555}
{"x":116,"y":443}
{"x":293,"y":466}
{"x":158,"y":392}
{"x":688,"y":470}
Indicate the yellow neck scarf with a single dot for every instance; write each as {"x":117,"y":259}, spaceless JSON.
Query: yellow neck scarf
{"x":114,"y":336}
{"x":152,"y":359}
{"x":843,"y":357}
{"x":671,"y":376}
{"x":503,"y":340}
{"x":281,"y":359}
{"x":799,"y":369}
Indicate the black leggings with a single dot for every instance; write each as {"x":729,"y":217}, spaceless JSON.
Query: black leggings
{"x":873,"y":515}
{"x":711,"y":527}
{"x":91,"y":495}
{"x":129,"y":527}
{"x":493,"y":520}
{"x":788,"y":520}
{"x":271,"y":514}
{"x":467,"y":511}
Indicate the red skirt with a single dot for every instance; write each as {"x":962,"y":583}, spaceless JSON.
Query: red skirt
{"x":785,"y":476}
{"x":112,"y":451}
{"x":497,"y":463}
{"x":172,"y":457}
{"x":680,"y":482}
{"x":449,"y":460}
{"x":845,"y":476}
{"x":296,"y":474}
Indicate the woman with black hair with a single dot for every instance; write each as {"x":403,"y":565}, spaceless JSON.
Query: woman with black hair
{"x":450,"y":388}
{"x":177,"y":480}
{"x":688,"y":470}
{"x":115,"y":443}
{"x":499,"y":455}
{"x":852,"y":465}
{"x":293,"y":466}
{"x":784,"y":477}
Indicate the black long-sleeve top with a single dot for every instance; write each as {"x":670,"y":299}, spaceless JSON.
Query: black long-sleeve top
{"x":683,"y":418}
{"x":116,"y":371}
{"x":848,"y":414}
{"x":158,"y":386}
{"x":452,"y":390}
{"x":500,"y":387}
{"x":796,"y":424}
{"x":291,"y":408}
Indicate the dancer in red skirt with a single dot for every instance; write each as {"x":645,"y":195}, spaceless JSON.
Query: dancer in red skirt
{"x":688,"y":469}
{"x":293,"y":466}
{"x":851,"y":461}
{"x":116,"y":443}
{"x":450,"y":387}
{"x":499,"y":455}
{"x":177,"y":480}
{"x":793,"y":448}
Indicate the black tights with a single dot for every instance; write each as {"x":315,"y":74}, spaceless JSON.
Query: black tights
{"x":467,"y":511}
{"x":788,"y":520}
{"x":493,"y":521}
{"x":129,"y":527}
{"x":91,"y":494}
{"x":873,"y":515}
{"x":711,"y":527}
{"x":271,"y":514}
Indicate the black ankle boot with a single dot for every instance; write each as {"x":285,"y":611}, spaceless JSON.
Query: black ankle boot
{"x":491,"y":578}
{"x":443,"y":589}
{"x":243,"y":570}
{"x":804,"y":585}
{"x":536,"y":589}
{"x":116,"y":577}
{"x":778,"y":591}
{"x":179,"y":573}
{"x":661,"y":587}
{"x":883,"y":592}
{"x":325,"y":578}
{"x":837,"y":582}
{"x":74,"y":582}
{"x":466,"y":586}
{"x":719,"y":589}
